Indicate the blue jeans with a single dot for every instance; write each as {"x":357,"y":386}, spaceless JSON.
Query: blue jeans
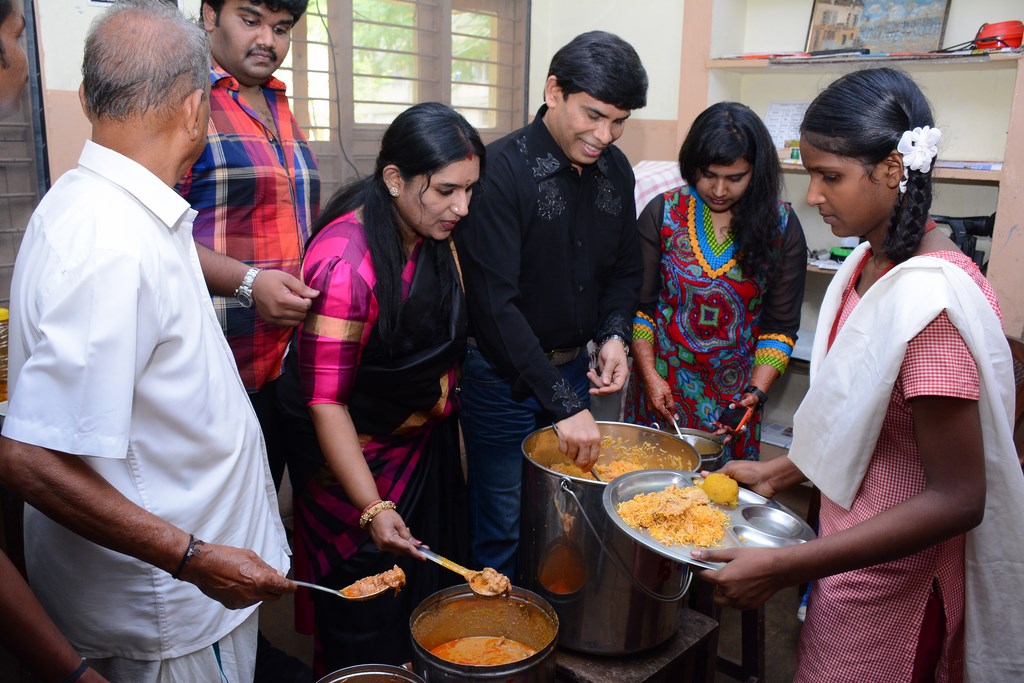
{"x":493,"y":428}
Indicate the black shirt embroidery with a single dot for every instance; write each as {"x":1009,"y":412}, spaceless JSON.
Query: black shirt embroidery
{"x":550,"y":256}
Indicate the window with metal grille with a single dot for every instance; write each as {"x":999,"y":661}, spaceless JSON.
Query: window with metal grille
{"x":356,"y":64}
{"x":310,"y":57}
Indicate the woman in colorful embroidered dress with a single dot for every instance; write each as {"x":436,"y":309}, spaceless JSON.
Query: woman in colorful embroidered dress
{"x":724,"y":265}
{"x":906,"y":426}
{"x":376,"y":364}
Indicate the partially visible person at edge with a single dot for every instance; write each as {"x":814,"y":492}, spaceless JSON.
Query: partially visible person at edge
{"x":370,"y":393}
{"x":26,"y":630}
{"x":906,"y":426}
{"x":128,"y":433}
{"x":257,"y":190}
{"x":552,"y":261}
{"x":724,"y":267}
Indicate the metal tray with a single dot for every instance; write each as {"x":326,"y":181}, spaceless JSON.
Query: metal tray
{"x":756,"y":522}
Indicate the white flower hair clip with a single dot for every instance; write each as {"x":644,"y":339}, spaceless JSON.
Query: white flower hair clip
{"x":918,"y":147}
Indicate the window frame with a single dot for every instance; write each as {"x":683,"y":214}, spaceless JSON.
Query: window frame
{"x":360,"y":142}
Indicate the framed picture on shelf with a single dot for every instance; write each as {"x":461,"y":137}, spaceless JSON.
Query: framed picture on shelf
{"x":881,"y":27}
{"x":107,"y":3}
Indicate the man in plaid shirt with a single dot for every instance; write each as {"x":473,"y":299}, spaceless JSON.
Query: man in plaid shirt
{"x":257,"y":190}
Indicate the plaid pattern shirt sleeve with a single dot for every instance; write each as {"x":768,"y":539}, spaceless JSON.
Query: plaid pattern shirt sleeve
{"x":257,"y":195}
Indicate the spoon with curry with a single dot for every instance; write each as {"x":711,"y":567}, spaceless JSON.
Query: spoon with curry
{"x":366,"y":588}
{"x":488,"y":582}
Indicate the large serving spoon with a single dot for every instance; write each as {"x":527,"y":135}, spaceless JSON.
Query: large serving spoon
{"x":487,"y":582}
{"x":341,"y":593}
{"x":675,"y":423}
{"x":392,"y":579}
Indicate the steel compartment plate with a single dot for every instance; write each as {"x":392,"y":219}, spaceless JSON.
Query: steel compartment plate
{"x":755,"y":522}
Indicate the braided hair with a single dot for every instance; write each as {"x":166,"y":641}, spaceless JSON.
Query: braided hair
{"x":862,"y":116}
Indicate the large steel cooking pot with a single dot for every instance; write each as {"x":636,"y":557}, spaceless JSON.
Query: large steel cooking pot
{"x":457,"y":612}
{"x":372,"y":673}
{"x":612,"y":595}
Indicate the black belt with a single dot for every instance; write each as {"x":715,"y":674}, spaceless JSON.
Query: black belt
{"x":563,"y":356}
{"x":555,"y":356}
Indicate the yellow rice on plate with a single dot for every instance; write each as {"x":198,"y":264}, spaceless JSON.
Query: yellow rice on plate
{"x":676,"y":516}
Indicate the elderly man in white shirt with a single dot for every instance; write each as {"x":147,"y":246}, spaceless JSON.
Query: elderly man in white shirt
{"x":129,"y":432}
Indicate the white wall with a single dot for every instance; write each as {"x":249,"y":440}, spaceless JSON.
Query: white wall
{"x":767,"y":25}
{"x":63,"y":25}
{"x":653,"y":27}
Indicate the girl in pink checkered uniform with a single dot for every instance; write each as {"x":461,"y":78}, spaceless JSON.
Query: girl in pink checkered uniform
{"x":906,"y":427}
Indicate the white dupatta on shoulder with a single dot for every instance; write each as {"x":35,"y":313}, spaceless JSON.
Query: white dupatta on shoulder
{"x":836,"y":428}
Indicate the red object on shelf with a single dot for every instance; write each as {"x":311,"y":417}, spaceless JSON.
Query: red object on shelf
{"x":999,"y":35}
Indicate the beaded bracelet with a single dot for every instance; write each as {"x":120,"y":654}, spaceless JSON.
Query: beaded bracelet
{"x":374,"y":510}
{"x":77,"y":673}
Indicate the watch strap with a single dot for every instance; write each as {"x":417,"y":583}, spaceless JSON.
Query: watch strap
{"x":244,"y":290}
{"x":762,"y":397}
{"x":617,"y":337}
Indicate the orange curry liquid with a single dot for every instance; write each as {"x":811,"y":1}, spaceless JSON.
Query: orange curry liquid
{"x":482,"y":651}
{"x":562,"y":571}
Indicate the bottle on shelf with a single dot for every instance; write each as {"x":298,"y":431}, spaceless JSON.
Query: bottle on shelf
{"x":5,"y":316}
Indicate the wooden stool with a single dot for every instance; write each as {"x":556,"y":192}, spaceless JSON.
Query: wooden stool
{"x":676,"y":660}
{"x":750,"y":668}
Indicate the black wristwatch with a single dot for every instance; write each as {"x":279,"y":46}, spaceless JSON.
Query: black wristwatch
{"x":762,"y":397}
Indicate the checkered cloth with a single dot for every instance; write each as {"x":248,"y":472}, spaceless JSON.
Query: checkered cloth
{"x":257,"y":193}
{"x":880,"y":609}
{"x":653,"y":178}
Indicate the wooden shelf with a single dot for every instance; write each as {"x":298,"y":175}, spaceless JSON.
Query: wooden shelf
{"x":992,"y":177}
{"x":979,"y":95}
{"x":938,"y":62}
{"x":967,"y":174}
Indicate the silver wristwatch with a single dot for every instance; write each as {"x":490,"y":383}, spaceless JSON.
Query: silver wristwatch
{"x":244,"y":292}
{"x":618,"y":338}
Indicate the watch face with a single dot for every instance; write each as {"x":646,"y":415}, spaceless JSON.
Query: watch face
{"x":244,"y":299}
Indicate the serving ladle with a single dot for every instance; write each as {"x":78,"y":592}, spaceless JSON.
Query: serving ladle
{"x":675,"y":423}
{"x":478,"y":580}
{"x":341,"y":593}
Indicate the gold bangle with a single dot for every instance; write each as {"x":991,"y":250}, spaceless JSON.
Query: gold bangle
{"x":374,"y":510}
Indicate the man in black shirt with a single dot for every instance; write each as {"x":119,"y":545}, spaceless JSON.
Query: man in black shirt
{"x":551,"y":260}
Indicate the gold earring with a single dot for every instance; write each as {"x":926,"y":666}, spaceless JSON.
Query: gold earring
{"x":393,"y":191}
